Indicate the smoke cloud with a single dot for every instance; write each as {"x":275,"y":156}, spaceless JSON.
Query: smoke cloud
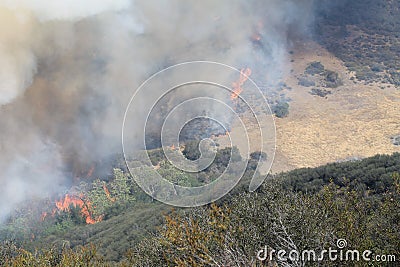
{"x":68,"y":69}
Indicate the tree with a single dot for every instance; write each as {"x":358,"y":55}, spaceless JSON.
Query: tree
{"x":191,"y":150}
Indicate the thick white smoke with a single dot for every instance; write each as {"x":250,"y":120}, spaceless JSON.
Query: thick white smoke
{"x":31,"y":164}
{"x":17,"y":35}
{"x":68,"y":68}
{"x":64,"y":10}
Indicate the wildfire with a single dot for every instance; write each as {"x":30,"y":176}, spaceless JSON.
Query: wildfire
{"x":256,"y":37}
{"x":237,"y":86}
{"x":257,"y":32}
{"x":44,"y":215}
{"x":77,"y":201}
{"x":108,"y":193}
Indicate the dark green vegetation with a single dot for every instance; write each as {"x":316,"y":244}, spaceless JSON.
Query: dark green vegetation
{"x":315,"y":74}
{"x":320,"y":92}
{"x":232,"y":234}
{"x":332,"y":79}
{"x":192,"y":152}
{"x":127,"y":214}
{"x":365,"y":34}
{"x":306,"y":81}
{"x":310,"y":208}
{"x":315,"y":68}
{"x":370,"y":175}
{"x":396,"y":140}
{"x":281,"y":109}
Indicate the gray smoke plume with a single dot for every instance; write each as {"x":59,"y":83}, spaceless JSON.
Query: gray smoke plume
{"x":68,"y":69}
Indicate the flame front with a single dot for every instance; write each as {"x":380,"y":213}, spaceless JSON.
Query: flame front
{"x":108,"y":194}
{"x":237,"y":86}
{"x":65,"y":203}
{"x":43,"y":216}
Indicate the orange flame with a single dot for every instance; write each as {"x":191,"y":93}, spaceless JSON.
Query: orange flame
{"x":108,"y":193}
{"x":237,"y":86}
{"x":257,"y":32}
{"x":256,"y":37}
{"x":44,"y":215}
{"x":64,"y":205}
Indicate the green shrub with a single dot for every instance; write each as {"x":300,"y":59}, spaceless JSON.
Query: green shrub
{"x":315,"y":68}
{"x":281,"y":109}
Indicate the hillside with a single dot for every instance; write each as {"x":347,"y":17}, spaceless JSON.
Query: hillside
{"x":368,"y":180}
{"x":357,"y":114}
{"x":365,"y":35}
{"x":330,"y":71}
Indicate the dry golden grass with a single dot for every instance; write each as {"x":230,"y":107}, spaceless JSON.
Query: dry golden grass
{"x":356,"y":120}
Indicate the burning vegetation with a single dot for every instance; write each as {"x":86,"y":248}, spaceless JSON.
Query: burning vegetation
{"x":85,"y":206}
{"x":76,"y":103}
{"x":69,"y":202}
{"x":91,"y":198}
{"x":237,"y":86}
